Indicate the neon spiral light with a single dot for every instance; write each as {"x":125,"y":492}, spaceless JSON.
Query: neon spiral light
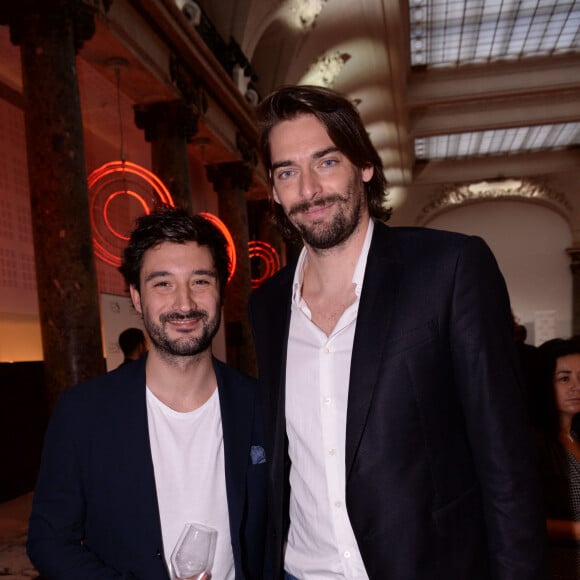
{"x":109,"y":182}
{"x":269,"y":256}
{"x":224,"y":230}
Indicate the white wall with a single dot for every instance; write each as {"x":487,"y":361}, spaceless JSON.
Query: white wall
{"x":529,"y":242}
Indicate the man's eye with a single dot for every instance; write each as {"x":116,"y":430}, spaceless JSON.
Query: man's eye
{"x":285,"y":174}
{"x":329,"y":162}
{"x":161,"y":284}
{"x":202,"y":282}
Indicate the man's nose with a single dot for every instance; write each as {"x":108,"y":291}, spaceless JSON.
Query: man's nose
{"x":184,"y":299}
{"x":311,"y":186}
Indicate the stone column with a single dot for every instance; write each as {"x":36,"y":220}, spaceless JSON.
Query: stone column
{"x":49,"y":33}
{"x":574,"y":254}
{"x":231,"y":181}
{"x":169,"y":127}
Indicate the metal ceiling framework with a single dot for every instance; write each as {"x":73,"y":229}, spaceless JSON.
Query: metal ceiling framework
{"x":507,"y":34}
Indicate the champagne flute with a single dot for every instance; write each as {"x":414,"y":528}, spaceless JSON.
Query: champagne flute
{"x":193,"y":555}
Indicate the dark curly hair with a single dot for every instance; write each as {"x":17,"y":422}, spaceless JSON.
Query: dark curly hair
{"x":167,"y":224}
{"x":344,"y":127}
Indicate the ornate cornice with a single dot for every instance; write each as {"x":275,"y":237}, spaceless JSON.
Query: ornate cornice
{"x":507,"y":189}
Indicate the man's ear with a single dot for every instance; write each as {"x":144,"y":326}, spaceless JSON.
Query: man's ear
{"x":135,"y":298}
{"x":367,"y":173}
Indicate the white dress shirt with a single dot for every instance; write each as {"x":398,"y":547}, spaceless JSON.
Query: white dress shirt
{"x":321,"y":543}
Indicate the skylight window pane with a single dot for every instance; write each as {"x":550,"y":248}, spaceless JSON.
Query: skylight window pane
{"x":570,"y":134}
{"x":552,"y":33}
{"x":570,"y":33}
{"x":455,"y":11}
{"x":453,"y":146}
{"x":476,"y":140}
{"x":518,"y":36}
{"x":475,"y":30}
{"x":538,"y":136}
{"x":536,"y":34}
{"x":502,"y":141}
{"x":519,"y":138}
{"x":529,"y":5}
{"x":497,"y":141}
{"x":484,"y":40}
{"x":485,"y":143}
{"x":555,"y":135}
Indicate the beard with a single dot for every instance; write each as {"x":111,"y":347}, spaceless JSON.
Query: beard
{"x":322,"y":235}
{"x":187,"y":345}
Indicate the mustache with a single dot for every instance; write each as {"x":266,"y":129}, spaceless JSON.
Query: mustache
{"x":321,"y":202}
{"x":178,"y":316}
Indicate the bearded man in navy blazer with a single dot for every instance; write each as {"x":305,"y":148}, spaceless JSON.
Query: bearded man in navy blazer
{"x":395,"y":431}
{"x":175,"y":437}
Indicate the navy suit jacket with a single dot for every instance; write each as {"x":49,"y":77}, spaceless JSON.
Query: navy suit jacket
{"x":95,"y":512}
{"x":440,"y":477}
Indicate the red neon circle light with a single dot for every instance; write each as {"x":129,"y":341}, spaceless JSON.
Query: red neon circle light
{"x":268,"y":255}
{"x":224,"y":230}
{"x":110,"y":183}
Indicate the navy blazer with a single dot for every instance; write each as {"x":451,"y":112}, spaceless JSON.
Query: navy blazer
{"x":95,"y":512}
{"x":440,"y":477}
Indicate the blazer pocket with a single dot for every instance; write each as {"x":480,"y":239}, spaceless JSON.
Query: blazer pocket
{"x":409,"y":338}
{"x":459,"y":515}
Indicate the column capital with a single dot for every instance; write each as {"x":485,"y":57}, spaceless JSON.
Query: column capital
{"x":79,"y":14}
{"x":175,"y":118}
{"x":231,"y":175}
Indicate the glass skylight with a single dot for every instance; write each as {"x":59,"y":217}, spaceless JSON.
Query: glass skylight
{"x":452,"y":32}
{"x":499,"y":141}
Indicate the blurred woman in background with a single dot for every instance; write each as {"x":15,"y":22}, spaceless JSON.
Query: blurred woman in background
{"x":559,"y":453}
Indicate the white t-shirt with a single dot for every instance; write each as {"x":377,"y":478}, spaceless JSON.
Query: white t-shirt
{"x":188,"y":461}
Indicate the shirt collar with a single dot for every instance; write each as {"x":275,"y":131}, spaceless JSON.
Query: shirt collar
{"x":357,"y":276}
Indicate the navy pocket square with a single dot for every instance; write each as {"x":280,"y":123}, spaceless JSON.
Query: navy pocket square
{"x":257,"y":454}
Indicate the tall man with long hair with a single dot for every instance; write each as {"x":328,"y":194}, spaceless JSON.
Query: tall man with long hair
{"x":395,"y":429}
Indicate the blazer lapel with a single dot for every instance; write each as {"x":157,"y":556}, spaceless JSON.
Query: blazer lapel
{"x":136,"y":438}
{"x":378,"y":298}
{"x":275,"y":326}
{"x":237,"y":421}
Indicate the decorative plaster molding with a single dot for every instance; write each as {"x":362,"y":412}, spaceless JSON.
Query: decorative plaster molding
{"x":326,"y":69}
{"x":306,"y":12}
{"x":518,"y":189}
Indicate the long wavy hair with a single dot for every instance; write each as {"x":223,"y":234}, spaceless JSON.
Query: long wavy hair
{"x":344,"y":127}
